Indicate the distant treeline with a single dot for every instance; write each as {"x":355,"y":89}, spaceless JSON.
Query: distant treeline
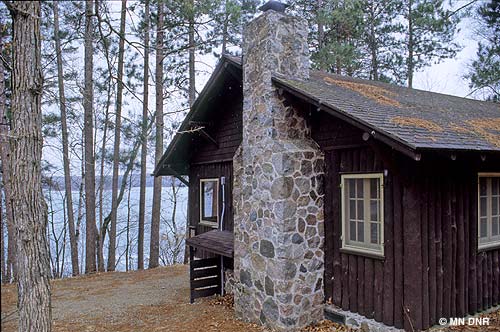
{"x":57,"y":182}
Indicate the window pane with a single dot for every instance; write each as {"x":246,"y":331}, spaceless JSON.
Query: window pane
{"x":494,"y":206}
{"x":374,"y":184}
{"x":482,"y":186}
{"x":209,"y":189}
{"x":352,"y":209}
{"x":483,"y":227}
{"x":361,"y":214}
{"x":360,"y":187}
{"x":482,"y":207}
{"x":374,"y":233}
{"x":374,"y":210}
{"x":351,"y":187}
{"x":494,"y":186}
{"x":352,"y":230}
{"x":494,"y":228}
{"x":361,"y":232}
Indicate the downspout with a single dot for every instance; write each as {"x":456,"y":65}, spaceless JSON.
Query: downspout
{"x":223,"y":183}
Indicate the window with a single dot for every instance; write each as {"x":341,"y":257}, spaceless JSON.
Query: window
{"x":489,"y":210}
{"x":209,"y":202}
{"x":362,"y":213}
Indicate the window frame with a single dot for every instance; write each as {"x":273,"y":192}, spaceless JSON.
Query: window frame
{"x":209,"y":223}
{"x":376,"y":253}
{"x":493,"y":243}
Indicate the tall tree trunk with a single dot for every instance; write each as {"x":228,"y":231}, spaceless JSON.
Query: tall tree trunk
{"x":26,"y":153}
{"x":100,"y":240}
{"x":321,"y":30}
{"x":116,"y":151}
{"x":154,"y":243}
{"x":192,"y":46}
{"x":99,"y":234}
{"x":373,"y":44}
{"x":225,"y":29}
{"x":144,"y":142}
{"x":410,"y":63}
{"x":65,"y":144}
{"x":2,"y":242}
{"x":79,"y":217}
{"x":88,"y":100}
{"x":127,"y":248}
{"x":11,"y":270}
{"x":192,"y":81}
{"x":3,"y":159}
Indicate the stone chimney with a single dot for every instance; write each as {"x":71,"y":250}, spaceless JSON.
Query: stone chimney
{"x":277,"y":190}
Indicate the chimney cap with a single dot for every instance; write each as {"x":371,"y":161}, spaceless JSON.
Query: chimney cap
{"x":274,"y":5}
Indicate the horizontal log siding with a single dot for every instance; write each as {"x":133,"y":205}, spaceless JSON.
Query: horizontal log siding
{"x":225,"y":129}
{"x":215,"y":170}
{"x":432,"y":267}
{"x":208,"y":160}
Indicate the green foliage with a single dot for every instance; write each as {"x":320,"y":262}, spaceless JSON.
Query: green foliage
{"x":484,"y":74}
{"x":429,"y":29}
{"x":343,"y":30}
{"x":383,"y":40}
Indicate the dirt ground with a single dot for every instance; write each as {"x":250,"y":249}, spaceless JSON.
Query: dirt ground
{"x":149,"y":301}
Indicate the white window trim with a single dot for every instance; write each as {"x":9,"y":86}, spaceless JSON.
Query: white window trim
{"x":208,"y":222}
{"x":357,"y":249}
{"x":495,"y":243}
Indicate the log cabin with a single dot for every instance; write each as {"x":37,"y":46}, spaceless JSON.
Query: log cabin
{"x":316,"y":194}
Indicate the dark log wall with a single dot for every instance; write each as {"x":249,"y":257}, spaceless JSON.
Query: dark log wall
{"x":225,"y":127}
{"x":432,"y":267}
{"x":209,"y":160}
{"x":206,"y":171}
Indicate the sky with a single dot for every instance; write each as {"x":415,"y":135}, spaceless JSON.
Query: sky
{"x":447,"y":76}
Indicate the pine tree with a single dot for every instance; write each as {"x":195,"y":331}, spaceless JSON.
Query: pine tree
{"x":29,"y":207}
{"x":484,"y":74}
{"x":5,"y":74}
{"x":144,"y":138}
{"x":88,"y":99}
{"x":65,"y":142}
{"x":116,"y":150}
{"x":154,"y":243}
{"x":429,"y":29}
{"x":379,"y":37}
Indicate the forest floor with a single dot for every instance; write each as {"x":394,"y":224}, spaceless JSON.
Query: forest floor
{"x":149,"y":300}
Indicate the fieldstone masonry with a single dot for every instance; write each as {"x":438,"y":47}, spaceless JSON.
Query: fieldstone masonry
{"x":277,"y":190}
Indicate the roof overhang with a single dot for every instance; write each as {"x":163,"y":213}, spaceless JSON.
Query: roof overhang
{"x":175,"y":160}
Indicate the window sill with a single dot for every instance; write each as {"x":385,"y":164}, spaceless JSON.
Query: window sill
{"x":209,"y":224}
{"x":488,"y":247}
{"x":352,"y":251}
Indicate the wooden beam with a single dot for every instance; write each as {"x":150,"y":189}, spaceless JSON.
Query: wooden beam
{"x":177,"y":175}
{"x":201,"y":123}
{"x":207,"y":136}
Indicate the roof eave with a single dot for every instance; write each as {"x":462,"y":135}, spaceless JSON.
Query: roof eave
{"x":219,"y":69}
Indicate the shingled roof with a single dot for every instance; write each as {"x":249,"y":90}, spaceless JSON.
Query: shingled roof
{"x":411,"y":119}
{"x":418,"y":119}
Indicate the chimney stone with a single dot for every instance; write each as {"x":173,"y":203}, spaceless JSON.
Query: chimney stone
{"x":278,"y":185}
